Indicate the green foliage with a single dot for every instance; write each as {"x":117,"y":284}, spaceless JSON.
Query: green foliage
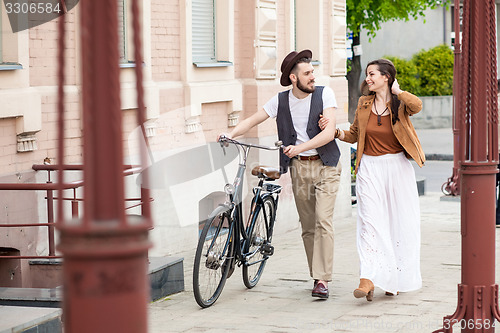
{"x":370,"y":14}
{"x":407,"y":75}
{"x":435,"y":69}
{"x":427,"y":73}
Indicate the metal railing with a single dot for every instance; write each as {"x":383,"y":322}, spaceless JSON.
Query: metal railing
{"x":50,"y":187}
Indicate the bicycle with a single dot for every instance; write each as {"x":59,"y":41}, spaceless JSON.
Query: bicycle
{"x":226,"y":242}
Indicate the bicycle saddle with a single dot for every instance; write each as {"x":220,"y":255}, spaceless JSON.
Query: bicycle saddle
{"x":262,"y":171}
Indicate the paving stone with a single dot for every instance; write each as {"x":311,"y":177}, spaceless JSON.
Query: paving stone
{"x":282,"y":302}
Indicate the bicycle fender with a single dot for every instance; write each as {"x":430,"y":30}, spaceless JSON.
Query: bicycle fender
{"x":275,"y":201}
{"x":266,"y":195}
{"x":221,"y":208}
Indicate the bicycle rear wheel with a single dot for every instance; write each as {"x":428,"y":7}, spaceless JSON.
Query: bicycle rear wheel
{"x":213,"y":257}
{"x":260,"y":235}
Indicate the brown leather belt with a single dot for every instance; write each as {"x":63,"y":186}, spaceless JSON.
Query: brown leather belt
{"x":308,"y":158}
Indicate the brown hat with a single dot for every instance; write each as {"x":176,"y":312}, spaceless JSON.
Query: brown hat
{"x":288,"y":63}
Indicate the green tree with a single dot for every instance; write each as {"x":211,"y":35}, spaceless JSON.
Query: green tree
{"x":408,"y":76}
{"x":435,"y":71}
{"x":368,"y":15}
{"x":428,"y":72}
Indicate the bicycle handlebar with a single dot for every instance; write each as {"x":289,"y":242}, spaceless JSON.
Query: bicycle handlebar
{"x":277,"y":145}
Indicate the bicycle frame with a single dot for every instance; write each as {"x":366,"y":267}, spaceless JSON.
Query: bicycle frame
{"x":235,"y":202}
{"x":226,"y":241}
{"x":259,"y":198}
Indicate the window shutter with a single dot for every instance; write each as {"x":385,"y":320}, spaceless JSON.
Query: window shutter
{"x":122,"y":30}
{"x":203,"y":18}
{"x":1,"y":41}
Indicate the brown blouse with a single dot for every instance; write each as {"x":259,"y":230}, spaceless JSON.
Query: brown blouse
{"x":380,"y":140}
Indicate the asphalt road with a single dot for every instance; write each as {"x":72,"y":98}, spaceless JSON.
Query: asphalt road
{"x":435,"y":172}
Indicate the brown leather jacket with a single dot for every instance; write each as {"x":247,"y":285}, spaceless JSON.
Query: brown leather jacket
{"x":403,"y":129}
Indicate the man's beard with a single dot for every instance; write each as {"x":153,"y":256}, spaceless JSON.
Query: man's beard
{"x":304,"y":88}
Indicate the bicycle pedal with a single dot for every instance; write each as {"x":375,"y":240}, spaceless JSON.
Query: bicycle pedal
{"x":267,"y":249}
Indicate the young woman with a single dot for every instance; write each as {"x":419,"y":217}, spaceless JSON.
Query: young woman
{"x":388,"y":228}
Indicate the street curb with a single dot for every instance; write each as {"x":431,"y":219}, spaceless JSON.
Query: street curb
{"x":439,"y":157}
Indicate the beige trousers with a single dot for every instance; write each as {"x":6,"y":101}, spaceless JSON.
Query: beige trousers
{"x":315,"y":190}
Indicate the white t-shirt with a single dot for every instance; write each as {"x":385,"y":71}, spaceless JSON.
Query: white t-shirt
{"x":299,"y":109}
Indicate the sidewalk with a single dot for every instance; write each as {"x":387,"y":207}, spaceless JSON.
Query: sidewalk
{"x":282,"y":302}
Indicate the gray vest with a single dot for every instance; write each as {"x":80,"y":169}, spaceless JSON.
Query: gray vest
{"x":328,"y":153}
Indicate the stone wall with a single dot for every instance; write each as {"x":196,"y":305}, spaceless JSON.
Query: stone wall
{"x":436,"y":113}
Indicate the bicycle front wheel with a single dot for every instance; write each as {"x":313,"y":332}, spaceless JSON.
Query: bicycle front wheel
{"x":260,"y":235}
{"x":213,"y":257}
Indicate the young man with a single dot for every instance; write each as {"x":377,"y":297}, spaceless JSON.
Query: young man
{"x":310,"y":154}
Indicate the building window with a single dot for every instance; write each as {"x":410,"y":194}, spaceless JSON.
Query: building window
{"x":210,"y":36}
{"x":309,"y":28}
{"x":124,"y":33}
{"x":9,"y":44}
{"x":203,"y":38}
{"x":1,"y":34}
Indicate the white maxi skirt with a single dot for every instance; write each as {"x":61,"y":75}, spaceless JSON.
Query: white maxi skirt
{"x":388,"y":230}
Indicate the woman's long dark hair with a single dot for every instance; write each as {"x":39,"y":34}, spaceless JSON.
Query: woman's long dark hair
{"x":387,"y":68}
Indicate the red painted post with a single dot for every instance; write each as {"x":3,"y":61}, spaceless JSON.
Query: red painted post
{"x":452,"y":185}
{"x":74,"y":205}
{"x":50,"y":220}
{"x":141,"y":117}
{"x":478,"y":116}
{"x":106,"y":286}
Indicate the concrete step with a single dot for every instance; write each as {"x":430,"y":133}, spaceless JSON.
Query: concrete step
{"x":16,"y":319}
{"x":166,"y":276}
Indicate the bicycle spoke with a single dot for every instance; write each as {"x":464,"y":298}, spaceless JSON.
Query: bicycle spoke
{"x":259,"y":238}
{"x":212,"y":260}
{"x":216,"y":254}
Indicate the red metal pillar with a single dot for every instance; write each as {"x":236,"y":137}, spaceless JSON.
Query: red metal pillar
{"x":478,"y":115}
{"x":106,"y":287}
{"x":452,"y":185}
{"x":50,"y":218}
{"x":74,"y":205}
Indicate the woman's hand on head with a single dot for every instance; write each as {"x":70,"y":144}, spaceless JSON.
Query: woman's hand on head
{"x":395,"y":88}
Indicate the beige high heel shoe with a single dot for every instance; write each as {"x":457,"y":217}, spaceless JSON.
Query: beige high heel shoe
{"x":365,"y":289}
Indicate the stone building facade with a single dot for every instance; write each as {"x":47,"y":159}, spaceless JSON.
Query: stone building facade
{"x":207,"y":65}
